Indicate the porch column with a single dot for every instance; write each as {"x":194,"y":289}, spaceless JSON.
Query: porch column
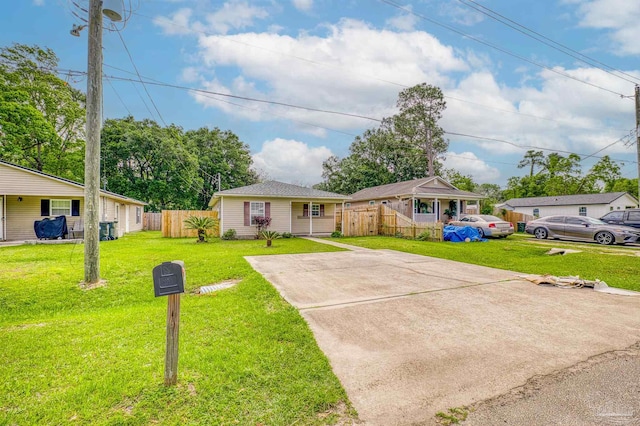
{"x":310,"y":217}
{"x":436,"y":204}
{"x":290,"y":215}
{"x":413,"y":208}
{"x":458,"y":212}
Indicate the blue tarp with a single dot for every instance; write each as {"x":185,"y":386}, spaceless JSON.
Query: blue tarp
{"x":51,"y":228}
{"x":457,"y":234}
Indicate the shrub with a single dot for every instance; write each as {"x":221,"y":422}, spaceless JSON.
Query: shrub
{"x":270,"y":236}
{"x":202,"y":224}
{"x":287,"y":235}
{"x":262,"y":223}
{"x":229,"y":234}
{"x":336,"y":234}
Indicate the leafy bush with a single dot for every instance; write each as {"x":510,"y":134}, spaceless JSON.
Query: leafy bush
{"x":202,"y":224}
{"x":262,"y":223}
{"x":230,"y":234}
{"x":336,"y":234}
{"x":287,"y":235}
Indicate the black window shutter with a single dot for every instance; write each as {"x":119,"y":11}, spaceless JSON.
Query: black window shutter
{"x":44,"y":207}
{"x":75,"y":207}
{"x":305,"y":210}
{"x":321,"y":209}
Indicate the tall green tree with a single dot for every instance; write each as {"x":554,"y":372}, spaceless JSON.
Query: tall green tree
{"x":41,"y":116}
{"x":219,"y":152}
{"x":421,"y":107}
{"x":404,"y":147}
{"x":532,"y":159}
{"x":143,"y":160}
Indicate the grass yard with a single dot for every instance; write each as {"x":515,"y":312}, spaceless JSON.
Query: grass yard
{"x":618,"y":266}
{"x":71,"y":356}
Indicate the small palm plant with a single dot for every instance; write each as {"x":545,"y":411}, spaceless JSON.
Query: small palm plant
{"x":202,"y":224}
{"x":270,"y":236}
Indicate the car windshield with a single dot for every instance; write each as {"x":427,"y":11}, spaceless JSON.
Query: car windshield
{"x":593,"y":221}
{"x":489,"y":218}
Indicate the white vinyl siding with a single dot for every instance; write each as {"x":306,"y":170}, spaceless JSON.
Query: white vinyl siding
{"x":233,"y":216}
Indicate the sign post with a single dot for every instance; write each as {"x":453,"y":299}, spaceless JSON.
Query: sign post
{"x":169,"y":280}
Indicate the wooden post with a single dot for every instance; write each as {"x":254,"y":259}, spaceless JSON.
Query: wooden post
{"x":92,"y":147}
{"x":173,"y":328}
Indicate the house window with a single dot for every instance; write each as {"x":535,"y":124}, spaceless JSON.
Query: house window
{"x":371,"y":203}
{"x":536,"y":212}
{"x":347,"y":205}
{"x":317,"y":210}
{"x":138,"y":215}
{"x":60,"y":207}
{"x":582,"y":211}
{"x":257,"y":210}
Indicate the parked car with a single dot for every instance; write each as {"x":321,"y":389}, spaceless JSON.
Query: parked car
{"x":487,"y":225}
{"x":582,"y":228}
{"x":628,"y":217}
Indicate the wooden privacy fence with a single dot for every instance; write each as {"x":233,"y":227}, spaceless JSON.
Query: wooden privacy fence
{"x":151,"y":221}
{"x":515,"y":217}
{"x":383,"y":220}
{"x":173,"y":223}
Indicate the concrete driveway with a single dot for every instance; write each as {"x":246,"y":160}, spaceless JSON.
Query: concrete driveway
{"x":410,"y":335}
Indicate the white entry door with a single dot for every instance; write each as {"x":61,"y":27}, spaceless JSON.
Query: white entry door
{"x":2,"y":218}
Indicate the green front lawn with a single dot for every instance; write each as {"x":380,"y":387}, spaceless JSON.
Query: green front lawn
{"x":618,"y":266}
{"x":97,"y":357}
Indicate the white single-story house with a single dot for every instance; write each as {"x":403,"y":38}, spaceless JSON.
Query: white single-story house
{"x":27,"y":195}
{"x":292,"y":208}
{"x":592,"y":205}
{"x":423,"y":200}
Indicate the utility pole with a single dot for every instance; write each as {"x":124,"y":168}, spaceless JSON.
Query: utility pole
{"x":638,"y":134}
{"x":92,"y":149}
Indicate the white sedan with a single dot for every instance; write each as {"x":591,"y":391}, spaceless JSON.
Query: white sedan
{"x":487,"y":225}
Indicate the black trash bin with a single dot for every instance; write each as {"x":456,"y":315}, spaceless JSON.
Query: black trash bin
{"x":521,"y":226}
{"x":104,"y":230}
{"x":112,"y":230}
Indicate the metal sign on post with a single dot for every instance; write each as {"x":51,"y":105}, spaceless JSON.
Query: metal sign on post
{"x":169,"y":280}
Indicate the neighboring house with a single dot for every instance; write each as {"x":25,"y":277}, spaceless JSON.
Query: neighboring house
{"x":592,"y":205}
{"x":423,"y":200}
{"x":292,"y":208}
{"x":28,"y":195}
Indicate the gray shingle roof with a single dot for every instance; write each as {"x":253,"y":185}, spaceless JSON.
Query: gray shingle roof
{"x":409,"y":187}
{"x":561,"y":200}
{"x":274,"y":188}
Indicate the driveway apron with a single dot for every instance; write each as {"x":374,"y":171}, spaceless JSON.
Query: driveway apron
{"x":409,"y":336}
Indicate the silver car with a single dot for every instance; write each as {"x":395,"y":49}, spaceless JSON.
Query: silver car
{"x":487,"y":225}
{"x":581,"y":228}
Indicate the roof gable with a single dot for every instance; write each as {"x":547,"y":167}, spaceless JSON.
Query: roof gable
{"x":430,"y":186}
{"x":274,"y":188}
{"x":561,"y":200}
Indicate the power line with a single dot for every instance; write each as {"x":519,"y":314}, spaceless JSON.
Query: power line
{"x":498,"y":48}
{"x":350,"y":71}
{"x":140,"y":78}
{"x":547,"y":41}
{"x":118,"y":95}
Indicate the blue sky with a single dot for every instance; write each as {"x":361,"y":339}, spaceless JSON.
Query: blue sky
{"x":354,"y":57}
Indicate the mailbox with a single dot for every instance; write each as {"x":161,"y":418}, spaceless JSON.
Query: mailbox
{"x":168,"y":278}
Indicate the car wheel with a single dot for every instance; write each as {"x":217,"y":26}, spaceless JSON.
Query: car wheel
{"x":540,"y":233}
{"x":605,"y":238}
{"x":481,"y":232}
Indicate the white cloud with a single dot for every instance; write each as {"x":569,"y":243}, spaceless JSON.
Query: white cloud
{"x":349,"y":70}
{"x":468,"y":163}
{"x":291,"y":161}
{"x":177,"y":24}
{"x":404,"y":21}
{"x":303,"y":5}
{"x":234,"y":15}
{"x":619,"y":16}
{"x":461,"y":15}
